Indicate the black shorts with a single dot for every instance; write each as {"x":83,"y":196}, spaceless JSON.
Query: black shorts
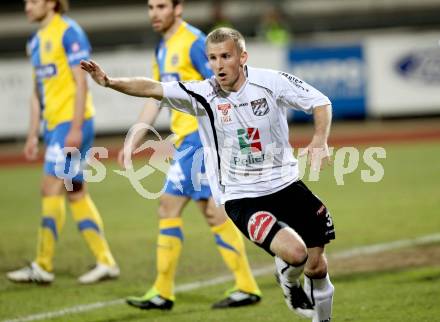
{"x":260,"y":218}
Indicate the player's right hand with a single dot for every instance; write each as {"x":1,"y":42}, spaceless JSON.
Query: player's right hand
{"x":318,"y":154}
{"x":30,"y":150}
{"x":96,"y":72}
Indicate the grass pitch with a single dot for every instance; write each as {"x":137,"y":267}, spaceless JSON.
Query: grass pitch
{"x":403,"y":205}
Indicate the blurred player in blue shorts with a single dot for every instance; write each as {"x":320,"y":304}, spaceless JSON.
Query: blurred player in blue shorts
{"x":180,"y":55}
{"x":62,"y":100}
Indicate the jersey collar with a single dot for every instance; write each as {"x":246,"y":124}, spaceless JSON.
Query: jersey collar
{"x":56,"y":17}
{"x":179,"y":30}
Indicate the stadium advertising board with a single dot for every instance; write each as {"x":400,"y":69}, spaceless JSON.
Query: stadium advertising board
{"x":15,"y":88}
{"x":404,"y":74}
{"x":338,"y":71}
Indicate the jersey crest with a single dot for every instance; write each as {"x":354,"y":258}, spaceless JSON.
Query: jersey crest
{"x":260,"y":107}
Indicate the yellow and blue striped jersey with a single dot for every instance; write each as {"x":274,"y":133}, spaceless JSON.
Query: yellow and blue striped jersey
{"x":53,"y":50}
{"x":181,"y":58}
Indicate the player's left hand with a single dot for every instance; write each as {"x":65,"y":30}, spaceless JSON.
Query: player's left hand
{"x":318,"y":154}
{"x":73,"y":139}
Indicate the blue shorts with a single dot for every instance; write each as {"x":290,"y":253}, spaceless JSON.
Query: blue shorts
{"x":186,"y":176}
{"x":56,"y":162}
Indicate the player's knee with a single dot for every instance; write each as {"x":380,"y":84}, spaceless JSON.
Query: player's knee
{"x":45,"y":190}
{"x":77,"y":192}
{"x":51,"y":186}
{"x":296,"y":254}
{"x":163,"y":210}
{"x":166,"y":209}
{"x":289,"y":246}
{"x":214,"y":216}
{"x":209,"y":212}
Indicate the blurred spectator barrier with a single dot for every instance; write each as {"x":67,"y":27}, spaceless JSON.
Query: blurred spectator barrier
{"x":384,"y":75}
{"x":403,"y":74}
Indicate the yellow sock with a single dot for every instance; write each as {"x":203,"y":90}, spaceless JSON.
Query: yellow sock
{"x":231,"y":246}
{"x":53,"y":218}
{"x":169,"y":247}
{"x":90,"y":225}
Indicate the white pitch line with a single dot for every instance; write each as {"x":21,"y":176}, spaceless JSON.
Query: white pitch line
{"x":364,"y":250}
{"x":67,"y":311}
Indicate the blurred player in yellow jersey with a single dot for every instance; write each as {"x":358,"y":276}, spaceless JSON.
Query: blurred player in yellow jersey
{"x":62,"y":100}
{"x":180,"y":55}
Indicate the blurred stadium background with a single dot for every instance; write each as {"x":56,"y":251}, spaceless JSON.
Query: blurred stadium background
{"x":378,"y":61}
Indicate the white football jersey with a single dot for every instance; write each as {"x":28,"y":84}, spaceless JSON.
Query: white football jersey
{"x":245,"y":134}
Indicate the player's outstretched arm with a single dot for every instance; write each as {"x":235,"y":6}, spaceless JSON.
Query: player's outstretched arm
{"x":134,"y":86}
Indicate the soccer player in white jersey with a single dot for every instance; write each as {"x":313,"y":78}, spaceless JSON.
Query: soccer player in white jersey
{"x":251,"y":170}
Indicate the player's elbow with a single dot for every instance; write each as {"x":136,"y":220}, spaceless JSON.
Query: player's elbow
{"x":326,"y":108}
{"x":154,"y":90}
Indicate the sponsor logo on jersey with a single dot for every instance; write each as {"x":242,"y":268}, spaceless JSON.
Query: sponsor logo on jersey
{"x":321,"y":210}
{"x":225,"y":108}
{"x":250,"y":147}
{"x":259,"y":226}
{"x":78,"y":55}
{"x":249,"y":140}
{"x":295,"y":81}
{"x":249,"y":160}
{"x":75,"y":47}
{"x":45,"y":71}
{"x":260,"y":107}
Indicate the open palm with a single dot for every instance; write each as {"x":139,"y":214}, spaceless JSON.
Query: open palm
{"x":95,"y":71}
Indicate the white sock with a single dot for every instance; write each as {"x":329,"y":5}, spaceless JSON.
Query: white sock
{"x":320,"y":292}
{"x":288,"y":272}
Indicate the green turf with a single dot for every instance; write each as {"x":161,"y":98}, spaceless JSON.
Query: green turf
{"x":403,"y":205}
{"x":388,"y":296}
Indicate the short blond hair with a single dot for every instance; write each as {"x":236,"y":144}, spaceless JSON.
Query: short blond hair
{"x":223,"y":34}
